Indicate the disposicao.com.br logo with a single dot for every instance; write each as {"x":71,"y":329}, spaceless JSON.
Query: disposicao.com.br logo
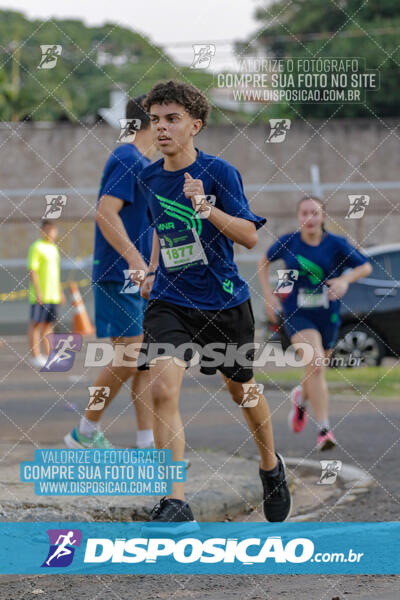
{"x":214,"y":548}
{"x":247,"y":551}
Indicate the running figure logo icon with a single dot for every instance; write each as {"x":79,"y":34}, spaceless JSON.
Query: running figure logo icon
{"x":279,"y":129}
{"x":357,"y":207}
{"x":251,"y":394}
{"x":63,"y":347}
{"x":50,"y":54}
{"x":203,"y":54}
{"x":61,"y":551}
{"x":97,"y":397}
{"x":203,"y":205}
{"x":54,"y":205}
{"x":329,"y":471}
{"x":129,"y":127}
{"x":286,"y":280}
{"x":133,"y":278}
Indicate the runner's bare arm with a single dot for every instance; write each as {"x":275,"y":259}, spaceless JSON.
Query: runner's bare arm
{"x":155,"y":252}
{"x":63,"y":299}
{"x":238,"y":230}
{"x":147,"y":284}
{"x":357,"y":273}
{"x":338,"y":286}
{"x":271,"y":302}
{"x":112,"y":227}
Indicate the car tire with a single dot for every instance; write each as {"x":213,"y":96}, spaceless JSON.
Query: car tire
{"x":360,"y":342}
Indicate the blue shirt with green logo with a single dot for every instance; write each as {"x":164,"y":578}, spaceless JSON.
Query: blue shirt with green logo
{"x":196,"y":265}
{"x":314,"y":264}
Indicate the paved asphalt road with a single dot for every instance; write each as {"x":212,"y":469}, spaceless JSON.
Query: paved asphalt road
{"x":35,"y":407}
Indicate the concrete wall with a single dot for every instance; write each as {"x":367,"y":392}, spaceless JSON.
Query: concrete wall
{"x":48,"y":156}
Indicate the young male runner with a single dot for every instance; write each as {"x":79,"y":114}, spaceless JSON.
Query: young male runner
{"x":45,"y":291}
{"x":197,"y":295}
{"x":123,"y":237}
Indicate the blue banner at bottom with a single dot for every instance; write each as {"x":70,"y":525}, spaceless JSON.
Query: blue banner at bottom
{"x":213,"y":548}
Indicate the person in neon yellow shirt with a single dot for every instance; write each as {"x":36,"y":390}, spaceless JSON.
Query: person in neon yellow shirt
{"x":45,"y":292}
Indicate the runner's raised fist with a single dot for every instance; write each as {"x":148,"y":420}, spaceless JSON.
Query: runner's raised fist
{"x":192,"y":187}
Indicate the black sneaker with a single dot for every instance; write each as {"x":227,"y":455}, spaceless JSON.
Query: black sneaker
{"x":277,"y":502}
{"x":171,"y":516}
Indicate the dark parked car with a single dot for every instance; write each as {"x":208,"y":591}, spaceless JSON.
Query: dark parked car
{"x":370,"y":313}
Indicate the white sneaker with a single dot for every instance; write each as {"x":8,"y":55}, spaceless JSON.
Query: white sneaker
{"x":38,"y":361}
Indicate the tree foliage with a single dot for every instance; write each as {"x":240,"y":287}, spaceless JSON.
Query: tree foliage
{"x":337,"y":28}
{"x":93,"y":61}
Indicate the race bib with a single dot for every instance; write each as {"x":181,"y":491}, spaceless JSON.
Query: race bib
{"x":181,"y":249}
{"x":309,"y":299}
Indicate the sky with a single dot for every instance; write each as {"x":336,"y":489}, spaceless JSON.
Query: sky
{"x":165,"y":22}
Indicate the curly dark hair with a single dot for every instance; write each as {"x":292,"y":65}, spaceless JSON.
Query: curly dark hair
{"x":188,"y":96}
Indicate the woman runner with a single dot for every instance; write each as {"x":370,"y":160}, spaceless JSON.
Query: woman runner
{"x":325,"y":265}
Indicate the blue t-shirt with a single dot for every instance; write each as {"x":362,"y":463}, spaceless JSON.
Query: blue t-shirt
{"x":212,"y":282}
{"x":315,"y":264}
{"x":120,"y":180}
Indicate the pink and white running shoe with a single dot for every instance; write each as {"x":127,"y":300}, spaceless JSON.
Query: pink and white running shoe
{"x":326,"y":440}
{"x":297,"y":418}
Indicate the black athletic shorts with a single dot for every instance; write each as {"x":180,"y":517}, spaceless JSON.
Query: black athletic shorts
{"x":218,"y":337}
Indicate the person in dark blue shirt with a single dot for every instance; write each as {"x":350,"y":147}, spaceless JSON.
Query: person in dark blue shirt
{"x":122,"y":249}
{"x":197,"y":297}
{"x":319,"y":266}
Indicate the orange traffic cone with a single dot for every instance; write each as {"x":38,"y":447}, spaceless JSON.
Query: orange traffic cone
{"x":81,"y":321}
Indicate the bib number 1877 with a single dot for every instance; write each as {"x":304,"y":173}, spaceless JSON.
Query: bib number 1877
{"x":179,"y":252}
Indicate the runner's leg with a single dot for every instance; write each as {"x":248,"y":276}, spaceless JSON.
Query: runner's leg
{"x":141,"y":398}
{"x":259,"y":421}
{"x":314,"y":381}
{"x":169,"y":433}
{"x":45,"y":330}
{"x":34,"y":338}
{"x":277,"y":501}
{"x":113,"y":377}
